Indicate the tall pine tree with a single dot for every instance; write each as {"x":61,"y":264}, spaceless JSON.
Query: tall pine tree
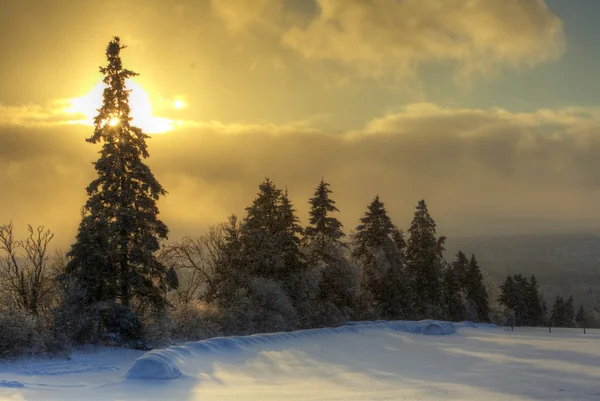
{"x":383,"y":266}
{"x":120,"y":230}
{"x":425,"y":264}
{"x":324,"y":229}
{"x":475,"y":290}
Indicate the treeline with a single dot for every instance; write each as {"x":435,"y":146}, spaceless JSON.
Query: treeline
{"x":266,"y":272}
{"x":263,"y":272}
{"x":525,"y":306}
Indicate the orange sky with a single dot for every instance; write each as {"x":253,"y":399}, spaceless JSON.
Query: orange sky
{"x":409,"y":99}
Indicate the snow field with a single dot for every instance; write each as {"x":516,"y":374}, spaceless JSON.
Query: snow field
{"x":167,"y":364}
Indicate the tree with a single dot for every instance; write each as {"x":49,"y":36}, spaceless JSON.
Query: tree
{"x":326,"y":252}
{"x":324,"y":230}
{"x":26,"y":279}
{"x":120,"y":230}
{"x":475,"y":290}
{"x":425,"y":263}
{"x":258,"y":235}
{"x":453,"y":292}
{"x":196,"y":260}
{"x":535,"y":310}
{"x":384,"y":273}
{"x":581,"y":318}
{"x":569,"y":316}
{"x":557,"y":316}
{"x":289,"y":234}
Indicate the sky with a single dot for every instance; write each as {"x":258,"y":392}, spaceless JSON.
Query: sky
{"x":488,"y":110}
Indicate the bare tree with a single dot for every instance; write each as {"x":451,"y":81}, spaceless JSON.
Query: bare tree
{"x":195,"y":260}
{"x":25,"y":277}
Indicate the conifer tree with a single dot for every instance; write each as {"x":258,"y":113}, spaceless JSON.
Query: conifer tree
{"x":230,"y":273}
{"x":557,"y":316}
{"x":475,"y":290}
{"x":326,"y":251}
{"x":290,"y":234}
{"x":383,"y":266}
{"x":258,"y":236}
{"x":398,"y":237}
{"x":120,"y":230}
{"x":581,"y":318}
{"x":535,"y":310}
{"x":323,"y":230}
{"x":569,"y":316}
{"x":453,"y":293}
{"x":425,"y":263}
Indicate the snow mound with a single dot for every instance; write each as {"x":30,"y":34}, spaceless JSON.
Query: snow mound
{"x":11,"y":384}
{"x":438,"y":329}
{"x":167,"y":364}
{"x":157,"y":365}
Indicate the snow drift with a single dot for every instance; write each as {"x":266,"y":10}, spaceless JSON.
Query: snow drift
{"x":167,"y":364}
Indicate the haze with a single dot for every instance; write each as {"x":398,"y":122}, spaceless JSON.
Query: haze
{"x":486,"y":109}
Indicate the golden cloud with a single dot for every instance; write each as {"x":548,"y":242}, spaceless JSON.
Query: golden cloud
{"x":376,"y":38}
{"x":471,"y":165}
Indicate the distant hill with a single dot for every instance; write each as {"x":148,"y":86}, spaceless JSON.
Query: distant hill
{"x":564,"y":264}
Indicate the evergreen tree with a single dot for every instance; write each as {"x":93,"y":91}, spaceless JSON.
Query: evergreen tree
{"x":569,"y":316}
{"x":120,"y":231}
{"x":557,"y":316}
{"x":453,"y":293}
{"x":398,"y":237}
{"x":290,"y":232}
{"x":324,"y":229}
{"x":461,"y":266}
{"x":475,"y":290}
{"x":425,"y":263}
{"x":535,"y":310}
{"x":326,"y":251}
{"x":230,"y":273}
{"x":383,"y":267}
{"x":260,"y":232}
{"x":581,"y":317}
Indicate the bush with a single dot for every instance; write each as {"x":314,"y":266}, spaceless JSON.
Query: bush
{"x":17,"y":333}
{"x":22,"y":334}
{"x":194,"y":321}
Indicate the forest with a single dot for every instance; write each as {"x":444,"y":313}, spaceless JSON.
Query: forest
{"x":121,"y":284}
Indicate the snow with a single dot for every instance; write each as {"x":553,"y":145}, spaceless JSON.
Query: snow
{"x":361,"y":361}
{"x":167,"y":364}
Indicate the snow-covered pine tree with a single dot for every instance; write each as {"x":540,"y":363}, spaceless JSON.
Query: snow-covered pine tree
{"x":260,"y":232}
{"x":569,"y":316}
{"x":326,"y":252}
{"x":425,"y":264}
{"x":453,"y":293}
{"x":120,"y":230}
{"x":230,"y":273}
{"x":383,"y":266}
{"x":557,"y":316}
{"x":581,"y":318}
{"x":535,"y":308}
{"x":475,"y":290}
{"x":323,"y":230}
{"x":290,"y":232}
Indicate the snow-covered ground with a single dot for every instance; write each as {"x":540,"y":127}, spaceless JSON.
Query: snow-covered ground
{"x":363,"y":364}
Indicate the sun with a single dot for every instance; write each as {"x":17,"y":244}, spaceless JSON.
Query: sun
{"x":139,"y":101}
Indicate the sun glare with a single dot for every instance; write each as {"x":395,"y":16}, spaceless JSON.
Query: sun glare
{"x":139,"y":101}
{"x":178,"y":104}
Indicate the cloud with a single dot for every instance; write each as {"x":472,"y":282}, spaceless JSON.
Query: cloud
{"x":238,"y":16}
{"x":379,"y":37}
{"x":478,"y":169}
